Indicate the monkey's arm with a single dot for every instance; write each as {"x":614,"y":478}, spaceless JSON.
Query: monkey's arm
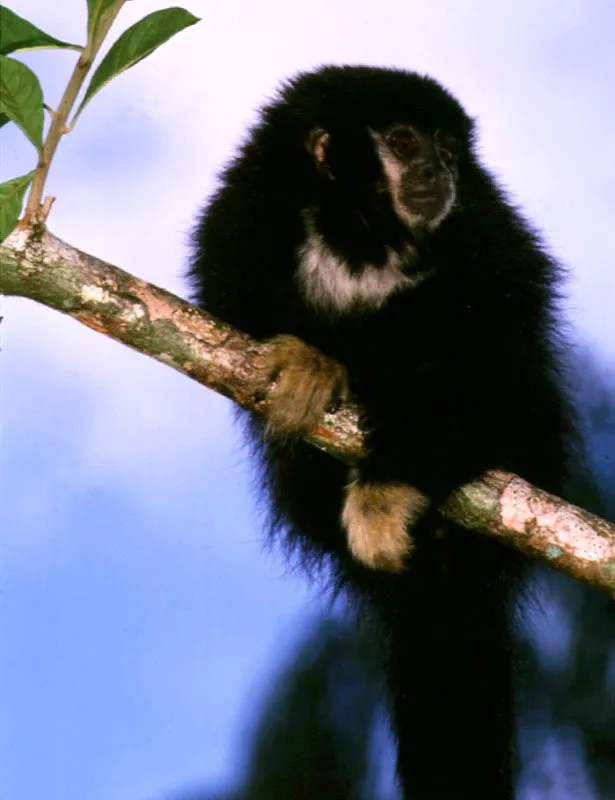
{"x":234,"y":273}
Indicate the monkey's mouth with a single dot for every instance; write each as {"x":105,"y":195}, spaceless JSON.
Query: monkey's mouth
{"x":426,"y":204}
{"x":429,"y":205}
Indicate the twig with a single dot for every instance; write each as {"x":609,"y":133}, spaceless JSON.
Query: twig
{"x":34,"y":213}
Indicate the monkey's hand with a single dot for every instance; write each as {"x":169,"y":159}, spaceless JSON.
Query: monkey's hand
{"x":306,"y":383}
{"x":377,"y":517}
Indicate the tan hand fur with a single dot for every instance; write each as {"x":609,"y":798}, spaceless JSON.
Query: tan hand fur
{"x":305,"y":384}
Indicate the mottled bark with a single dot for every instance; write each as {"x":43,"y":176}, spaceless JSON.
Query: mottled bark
{"x":38,"y":265}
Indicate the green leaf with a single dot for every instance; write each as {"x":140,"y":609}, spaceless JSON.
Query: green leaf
{"x":18,"y":35}
{"x":21,"y":99}
{"x":3,"y":119}
{"x":135,"y":44}
{"x":11,"y":200}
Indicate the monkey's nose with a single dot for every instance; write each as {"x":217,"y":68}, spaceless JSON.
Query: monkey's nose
{"x":428,"y":173}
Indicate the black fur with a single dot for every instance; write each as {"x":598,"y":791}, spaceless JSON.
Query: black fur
{"x":457,"y":375}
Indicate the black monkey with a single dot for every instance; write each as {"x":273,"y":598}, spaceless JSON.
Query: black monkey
{"x":358,"y":228}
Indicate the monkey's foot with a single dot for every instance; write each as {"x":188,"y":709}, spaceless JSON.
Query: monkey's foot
{"x":305,"y":383}
{"x":377,"y":517}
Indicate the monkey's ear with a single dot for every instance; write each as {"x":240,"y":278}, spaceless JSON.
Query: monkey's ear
{"x":317,"y":145}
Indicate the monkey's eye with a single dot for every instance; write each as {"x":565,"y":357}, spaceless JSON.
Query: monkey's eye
{"x":404,"y":142}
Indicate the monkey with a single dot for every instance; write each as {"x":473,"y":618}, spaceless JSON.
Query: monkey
{"x":358,"y":232}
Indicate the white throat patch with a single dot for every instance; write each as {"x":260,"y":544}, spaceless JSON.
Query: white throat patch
{"x":327,"y":282}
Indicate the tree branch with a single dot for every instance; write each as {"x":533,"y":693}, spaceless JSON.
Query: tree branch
{"x":38,"y":265}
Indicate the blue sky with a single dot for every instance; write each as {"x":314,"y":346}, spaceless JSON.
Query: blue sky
{"x":141,"y":618}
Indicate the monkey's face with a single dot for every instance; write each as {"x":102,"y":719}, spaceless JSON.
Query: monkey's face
{"x":399,"y":170}
{"x":420,"y":173}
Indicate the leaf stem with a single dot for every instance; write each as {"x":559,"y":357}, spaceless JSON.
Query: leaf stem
{"x":35,"y":210}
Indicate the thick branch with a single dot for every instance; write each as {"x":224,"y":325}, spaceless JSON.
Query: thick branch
{"x":42,"y":267}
